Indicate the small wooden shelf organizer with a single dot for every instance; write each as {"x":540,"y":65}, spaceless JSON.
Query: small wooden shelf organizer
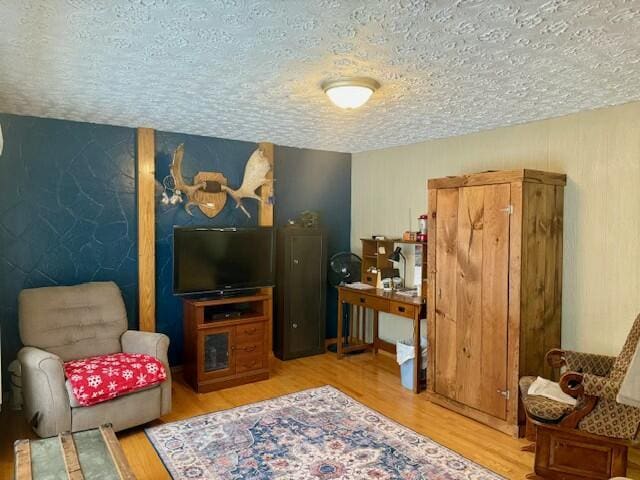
{"x":371,"y":257}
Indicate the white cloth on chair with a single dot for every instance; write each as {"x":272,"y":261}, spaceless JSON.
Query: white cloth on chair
{"x":547,"y":388}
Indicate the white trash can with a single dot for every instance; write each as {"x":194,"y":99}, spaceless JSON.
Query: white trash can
{"x":15,"y":379}
{"x":405,"y":356}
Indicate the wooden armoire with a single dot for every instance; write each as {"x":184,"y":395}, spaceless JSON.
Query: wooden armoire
{"x":494,"y":289}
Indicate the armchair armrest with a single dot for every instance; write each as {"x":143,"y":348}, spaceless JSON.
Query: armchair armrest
{"x":571,"y":384}
{"x":599,"y":365}
{"x":46,"y":400}
{"x":149,"y":343}
{"x":156,"y":345}
{"x":588,"y":385}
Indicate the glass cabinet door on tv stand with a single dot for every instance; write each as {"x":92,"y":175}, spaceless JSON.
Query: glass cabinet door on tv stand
{"x":217,"y":352}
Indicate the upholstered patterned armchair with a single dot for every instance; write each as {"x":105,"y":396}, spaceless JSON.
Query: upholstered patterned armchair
{"x":60,"y":324}
{"x":598,"y":417}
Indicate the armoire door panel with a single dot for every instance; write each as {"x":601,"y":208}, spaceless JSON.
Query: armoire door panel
{"x":483,"y":301}
{"x":445,"y":292}
{"x":468,"y":344}
{"x":495,"y":300}
{"x":305,"y":276}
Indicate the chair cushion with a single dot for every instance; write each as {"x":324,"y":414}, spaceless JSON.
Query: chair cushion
{"x":541,"y":408}
{"x":104,"y":377}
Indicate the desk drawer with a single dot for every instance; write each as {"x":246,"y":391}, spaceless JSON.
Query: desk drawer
{"x":402,"y":309}
{"x":246,"y":363}
{"x":370,"y":278}
{"x":250,"y":333}
{"x":366,"y":301}
{"x":248,"y":349}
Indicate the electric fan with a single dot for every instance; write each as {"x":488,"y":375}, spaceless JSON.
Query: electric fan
{"x":344,"y":267}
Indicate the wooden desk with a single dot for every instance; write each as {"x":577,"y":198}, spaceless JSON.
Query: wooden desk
{"x":377,"y":300}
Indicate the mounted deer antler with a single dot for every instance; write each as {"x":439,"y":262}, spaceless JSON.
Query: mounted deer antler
{"x":180,"y":185}
{"x":255,"y":176}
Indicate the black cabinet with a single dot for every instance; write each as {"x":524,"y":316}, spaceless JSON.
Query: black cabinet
{"x":300,"y":320}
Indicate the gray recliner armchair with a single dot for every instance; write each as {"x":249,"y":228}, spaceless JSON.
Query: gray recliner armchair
{"x":59,"y":324}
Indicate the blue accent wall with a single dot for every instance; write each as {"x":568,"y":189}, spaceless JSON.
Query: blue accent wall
{"x":67,"y":212}
{"x":321,"y":181}
{"x":204,"y":154}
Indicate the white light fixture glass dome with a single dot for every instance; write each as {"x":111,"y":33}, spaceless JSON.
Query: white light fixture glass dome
{"x":350,"y":93}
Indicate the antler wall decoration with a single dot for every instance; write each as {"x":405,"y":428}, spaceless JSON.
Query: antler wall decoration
{"x":255,"y":176}
{"x":179,"y":184}
{"x":209,"y":189}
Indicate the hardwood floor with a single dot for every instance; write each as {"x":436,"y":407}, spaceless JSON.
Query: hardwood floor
{"x":373,"y":381}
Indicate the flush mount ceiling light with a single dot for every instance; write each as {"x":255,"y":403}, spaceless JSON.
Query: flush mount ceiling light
{"x":350,"y":92}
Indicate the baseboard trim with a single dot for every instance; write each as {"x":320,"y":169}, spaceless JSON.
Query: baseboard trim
{"x":467,"y":411}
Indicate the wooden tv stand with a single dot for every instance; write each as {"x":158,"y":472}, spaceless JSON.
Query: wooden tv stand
{"x":227,"y":341}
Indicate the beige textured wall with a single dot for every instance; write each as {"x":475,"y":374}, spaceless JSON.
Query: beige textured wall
{"x":599,"y":151}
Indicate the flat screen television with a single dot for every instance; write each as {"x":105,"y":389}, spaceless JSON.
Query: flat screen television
{"x":222,"y":260}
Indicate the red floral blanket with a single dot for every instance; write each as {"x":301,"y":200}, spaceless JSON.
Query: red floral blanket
{"x":98,"y":379}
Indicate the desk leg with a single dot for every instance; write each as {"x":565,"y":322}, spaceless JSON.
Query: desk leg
{"x":418,"y":357}
{"x":340,"y":326}
{"x":375,"y":332}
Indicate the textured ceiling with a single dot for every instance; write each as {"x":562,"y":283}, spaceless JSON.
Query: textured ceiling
{"x":251,"y":70}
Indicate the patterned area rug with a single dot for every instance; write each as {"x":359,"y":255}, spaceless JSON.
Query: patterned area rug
{"x":317,"y":434}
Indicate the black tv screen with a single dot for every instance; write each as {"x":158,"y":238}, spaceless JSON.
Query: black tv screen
{"x":222,"y":259}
